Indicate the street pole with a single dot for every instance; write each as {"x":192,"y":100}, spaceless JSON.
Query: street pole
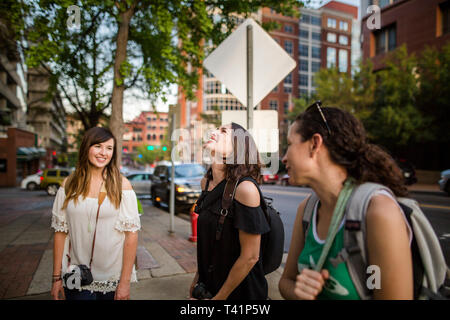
{"x":172,"y":176}
{"x":249,"y":77}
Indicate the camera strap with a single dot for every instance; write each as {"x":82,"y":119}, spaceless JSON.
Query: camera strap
{"x":101,"y":198}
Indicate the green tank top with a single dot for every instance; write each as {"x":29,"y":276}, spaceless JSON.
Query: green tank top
{"x":339,"y":286}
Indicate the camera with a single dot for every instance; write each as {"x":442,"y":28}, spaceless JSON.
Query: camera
{"x":200,"y":292}
{"x":80,"y":274}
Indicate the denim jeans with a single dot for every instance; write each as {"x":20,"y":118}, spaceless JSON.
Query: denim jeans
{"x":75,"y":294}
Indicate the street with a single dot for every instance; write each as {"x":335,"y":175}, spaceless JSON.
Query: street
{"x":435,"y":205}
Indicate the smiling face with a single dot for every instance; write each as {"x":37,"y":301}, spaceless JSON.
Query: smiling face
{"x":100,"y":154}
{"x":297,"y":159}
{"x":219,"y":143}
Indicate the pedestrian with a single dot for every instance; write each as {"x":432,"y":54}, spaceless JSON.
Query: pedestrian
{"x":326,"y":148}
{"x":229,"y":266}
{"x":95,"y":217}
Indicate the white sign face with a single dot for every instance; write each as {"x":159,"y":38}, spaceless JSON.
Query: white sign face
{"x":265,"y":127}
{"x":228,"y":63}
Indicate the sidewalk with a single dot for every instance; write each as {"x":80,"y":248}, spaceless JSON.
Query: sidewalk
{"x":166,"y":263}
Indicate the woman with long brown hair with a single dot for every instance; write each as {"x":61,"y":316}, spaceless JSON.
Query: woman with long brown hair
{"x":95,"y":217}
{"x":229,"y":266}
{"x":326,"y":148}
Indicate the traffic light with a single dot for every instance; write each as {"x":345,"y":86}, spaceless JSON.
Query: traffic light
{"x":140,"y":156}
{"x":150,"y":148}
{"x":164,"y":148}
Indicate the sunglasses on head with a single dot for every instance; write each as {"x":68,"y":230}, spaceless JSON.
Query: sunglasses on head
{"x":317,"y":105}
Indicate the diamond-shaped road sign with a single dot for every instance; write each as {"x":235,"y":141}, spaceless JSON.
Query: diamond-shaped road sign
{"x":228,"y":63}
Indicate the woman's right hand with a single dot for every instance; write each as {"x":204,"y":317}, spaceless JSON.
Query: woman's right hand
{"x":57,"y":289}
{"x":309,"y":283}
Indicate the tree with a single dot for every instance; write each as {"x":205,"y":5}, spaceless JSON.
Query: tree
{"x":152,"y":44}
{"x":147,"y":155}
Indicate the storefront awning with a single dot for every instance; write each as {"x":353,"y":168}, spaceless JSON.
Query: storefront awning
{"x":29,"y":153}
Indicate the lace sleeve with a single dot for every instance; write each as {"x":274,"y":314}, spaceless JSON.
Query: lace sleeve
{"x":128,"y":219}
{"x":59,"y":219}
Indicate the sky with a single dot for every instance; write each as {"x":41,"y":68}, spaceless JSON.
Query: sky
{"x":133,"y":107}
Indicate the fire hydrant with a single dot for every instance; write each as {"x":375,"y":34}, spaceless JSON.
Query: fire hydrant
{"x":194,"y":217}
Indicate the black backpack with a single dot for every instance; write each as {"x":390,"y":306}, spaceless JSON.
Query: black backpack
{"x":273,"y":241}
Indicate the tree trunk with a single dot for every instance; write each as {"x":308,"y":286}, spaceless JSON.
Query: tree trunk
{"x":116,"y":121}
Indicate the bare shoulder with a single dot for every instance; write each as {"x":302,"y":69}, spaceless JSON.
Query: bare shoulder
{"x":247,"y":194}
{"x":203,"y":183}
{"x":126,"y":185}
{"x":383,"y":211}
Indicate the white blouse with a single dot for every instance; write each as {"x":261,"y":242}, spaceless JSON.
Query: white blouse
{"x":79,"y":222}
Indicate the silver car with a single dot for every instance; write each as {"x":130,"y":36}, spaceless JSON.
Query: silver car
{"x":444,"y":183}
{"x":141,"y":181}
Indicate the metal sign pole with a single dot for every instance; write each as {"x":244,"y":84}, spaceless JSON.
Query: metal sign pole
{"x":249,"y":77}
{"x":172,"y":184}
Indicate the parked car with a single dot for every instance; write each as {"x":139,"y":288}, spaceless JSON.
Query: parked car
{"x":269,"y":177}
{"x":141,"y":181}
{"x":187,"y":184}
{"x":444,"y":183}
{"x":31,"y":182}
{"x":285,"y":180}
{"x":52,"y":178}
{"x":409,"y":172}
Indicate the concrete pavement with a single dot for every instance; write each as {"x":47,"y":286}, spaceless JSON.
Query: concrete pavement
{"x":166,"y":262}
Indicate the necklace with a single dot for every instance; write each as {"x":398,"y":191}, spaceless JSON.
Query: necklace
{"x":89,"y":228}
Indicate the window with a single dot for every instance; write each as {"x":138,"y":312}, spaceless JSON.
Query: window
{"x":275,"y":89}
{"x":63,"y":173}
{"x":315,"y":66}
{"x":149,"y":119}
{"x":288,"y":28}
{"x":343,"y":56}
{"x":386,"y":39}
{"x":304,"y":65}
{"x":304,"y":34}
{"x":51,"y":173}
{"x":149,"y":137}
{"x":273,"y":105}
{"x":287,"y":89}
{"x":288,"y":47}
{"x":303,"y":50}
{"x":331,"y":37}
{"x":343,"y":25}
{"x":305,"y":18}
{"x":315,"y":36}
{"x":315,"y":21}
{"x":343,"y":40}
{"x":316,"y":52}
{"x":331,"y":23}
{"x":160,"y":136}
{"x":304,"y":80}
{"x":288,"y":79}
{"x":303,"y":93}
{"x":286,"y":107}
{"x":331,"y":57}
{"x":154,"y":137}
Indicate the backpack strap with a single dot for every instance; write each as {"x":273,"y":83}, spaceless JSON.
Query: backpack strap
{"x":227,"y":201}
{"x":354,"y":252}
{"x":308,"y":211}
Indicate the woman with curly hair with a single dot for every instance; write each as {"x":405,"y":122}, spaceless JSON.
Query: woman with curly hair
{"x":326,"y":148}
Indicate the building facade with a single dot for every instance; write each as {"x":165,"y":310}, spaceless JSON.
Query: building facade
{"x":415,"y":23}
{"x":148,"y":128}
{"x":46,"y":114}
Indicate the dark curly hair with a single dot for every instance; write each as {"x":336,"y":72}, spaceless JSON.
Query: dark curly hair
{"x":241,"y":164}
{"x":348,"y":147}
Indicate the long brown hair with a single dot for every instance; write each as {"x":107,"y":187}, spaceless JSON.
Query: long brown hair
{"x":241,"y":164}
{"x":78,"y":182}
{"x":348,"y":147}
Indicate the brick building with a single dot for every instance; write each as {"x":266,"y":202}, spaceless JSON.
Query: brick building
{"x":415,"y":23}
{"x":148,"y":128}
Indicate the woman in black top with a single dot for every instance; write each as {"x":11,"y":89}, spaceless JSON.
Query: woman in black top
{"x":230,"y":268}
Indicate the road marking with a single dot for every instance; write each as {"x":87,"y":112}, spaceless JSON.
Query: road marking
{"x":433,"y":206}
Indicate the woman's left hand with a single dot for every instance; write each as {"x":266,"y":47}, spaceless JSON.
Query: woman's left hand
{"x":122,"y":291}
